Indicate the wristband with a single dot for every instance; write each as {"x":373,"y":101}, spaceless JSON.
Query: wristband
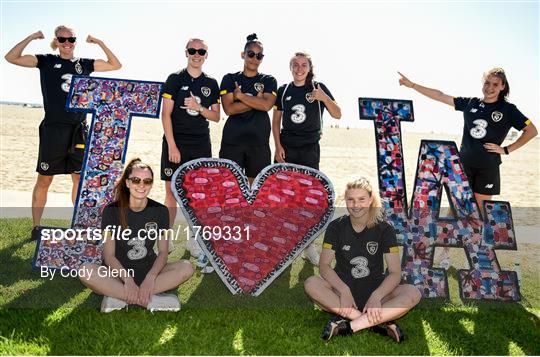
{"x":506,"y":150}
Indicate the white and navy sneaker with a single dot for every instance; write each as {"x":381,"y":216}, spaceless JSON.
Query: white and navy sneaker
{"x":164,"y":302}
{"x":311,"y":254}
{"x":109,"y":304}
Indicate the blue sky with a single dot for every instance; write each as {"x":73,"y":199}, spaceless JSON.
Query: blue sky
{"x":357,"y":47}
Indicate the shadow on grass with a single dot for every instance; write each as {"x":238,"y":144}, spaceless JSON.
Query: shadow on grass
{"x":61,"y":317}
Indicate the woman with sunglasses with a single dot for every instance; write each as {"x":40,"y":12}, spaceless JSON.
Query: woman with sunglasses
{"x":190,"y":100}
{"x":61,"y":133}
{"x":247,"y":96}
{"x":130,"y":226}
{"x":487,"y":121}
{"x":299,"y":106}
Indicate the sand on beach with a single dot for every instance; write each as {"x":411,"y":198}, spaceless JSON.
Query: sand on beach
{"x":345,"y":155}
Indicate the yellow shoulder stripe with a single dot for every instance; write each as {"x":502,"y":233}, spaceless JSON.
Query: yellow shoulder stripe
{"x":166,"y":96}
{"x":223,"y":92}
{"x":394,"y":249}
{"x":79,"y":146}
{"x":528,"y":122}
{"x":219,"y":101}
{"x":274,"y":107}
{"x":327,"y":246}
{"x":274,"y":93}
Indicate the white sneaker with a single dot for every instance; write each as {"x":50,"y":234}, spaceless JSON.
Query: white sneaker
{"x":109,"y":304}
{"x":312,"y":254}
{"x":164,"y":302}
{"x":193,"y":247}
{"x":203,"y":263}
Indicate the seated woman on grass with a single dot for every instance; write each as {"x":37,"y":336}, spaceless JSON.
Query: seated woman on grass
{"x":356,"y":291}
{"x":139,"y":276}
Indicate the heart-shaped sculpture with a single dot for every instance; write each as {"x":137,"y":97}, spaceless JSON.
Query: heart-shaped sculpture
{"x":252,"y":234}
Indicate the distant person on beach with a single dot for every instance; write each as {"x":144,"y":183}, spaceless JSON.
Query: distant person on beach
{"x":62,"y":134}
{"x":247,"y":96}
{"x":487,"y":121}
{"x":299,"y":108}
{"x":190,"y":100}
{"x":133,"y":273}
{"x":356,"y":291}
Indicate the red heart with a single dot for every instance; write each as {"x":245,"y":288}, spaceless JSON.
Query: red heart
{"x":268,"y":225}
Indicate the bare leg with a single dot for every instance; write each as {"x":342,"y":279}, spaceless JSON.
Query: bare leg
{"x":39,"y":197}
{"x":480,"y":198}
{"x":322,"y":293}
{"x":396,"y":304}
{"x":172,"y":275}
{"x":102,"y":285}
{"x":170,"y":202}
{"x":75,"y":178}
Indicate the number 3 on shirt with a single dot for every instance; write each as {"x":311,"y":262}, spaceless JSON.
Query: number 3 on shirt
{"x":479,"y":131}
{"x":138,"y":251}
{"x":299,"y":114}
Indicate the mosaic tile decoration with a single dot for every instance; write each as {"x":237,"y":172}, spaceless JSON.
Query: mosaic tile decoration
{"x":286,"y":208}
{"x":112,"y":103}
{"x":420,"y":228}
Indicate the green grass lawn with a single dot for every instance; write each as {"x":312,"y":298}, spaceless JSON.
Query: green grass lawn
{"x":62,"y":317}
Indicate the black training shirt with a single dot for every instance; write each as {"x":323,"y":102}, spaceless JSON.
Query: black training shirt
{"x":134,"y":252}
{"x":55,"y":75}
{"x":486,"y":123}
{"x":189,"y":126}
{"x":359,"y":256}
{"x":252,"y":127}
{"x":302,"y":115}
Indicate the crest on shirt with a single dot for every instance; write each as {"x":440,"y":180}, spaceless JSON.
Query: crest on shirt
{"x":372,"y":247}
{"x":496,"y":116}
{"x":150,"y":226}
{"x":78,"y":67}
{"x":258,"y":86}
{"x":168,"y":171}
{"x":44,"y":166}
{"x":206,"y":91}
{"x":309,"y":97}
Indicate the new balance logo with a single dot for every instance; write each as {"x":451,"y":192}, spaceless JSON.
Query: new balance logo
{"x":474,"y":110}
{"x":346,"y":247}
{"x":58,"y":65}
{"x":489,"y":185}
{"x":288,"y":98}
{"x":184,"y":88}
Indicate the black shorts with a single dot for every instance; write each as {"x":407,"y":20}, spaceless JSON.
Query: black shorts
{"x":140,"y":270}
{"x":307,"y":155}
{"x":61,"y":148}
{"x":187,"y":153}
{"x":251,"y":158}
{"x":361,"y":291}
{"x":485,"y":181}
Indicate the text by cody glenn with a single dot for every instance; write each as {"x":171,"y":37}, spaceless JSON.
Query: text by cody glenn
{"x":86,"y":273}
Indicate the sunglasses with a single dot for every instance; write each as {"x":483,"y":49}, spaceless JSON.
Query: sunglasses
{"x":137,"y":180}
{"x":252,"y":54}
{"x":64,"y":39}
{"x":200,"y":51}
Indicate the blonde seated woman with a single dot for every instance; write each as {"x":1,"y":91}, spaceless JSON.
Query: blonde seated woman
{"x":134,"y":273}
{"x":356,"y":291}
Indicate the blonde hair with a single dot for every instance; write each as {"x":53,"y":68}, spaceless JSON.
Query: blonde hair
{"x":375,"y":214}
{"x":195,"y":39}
{"x":56,"y":31}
